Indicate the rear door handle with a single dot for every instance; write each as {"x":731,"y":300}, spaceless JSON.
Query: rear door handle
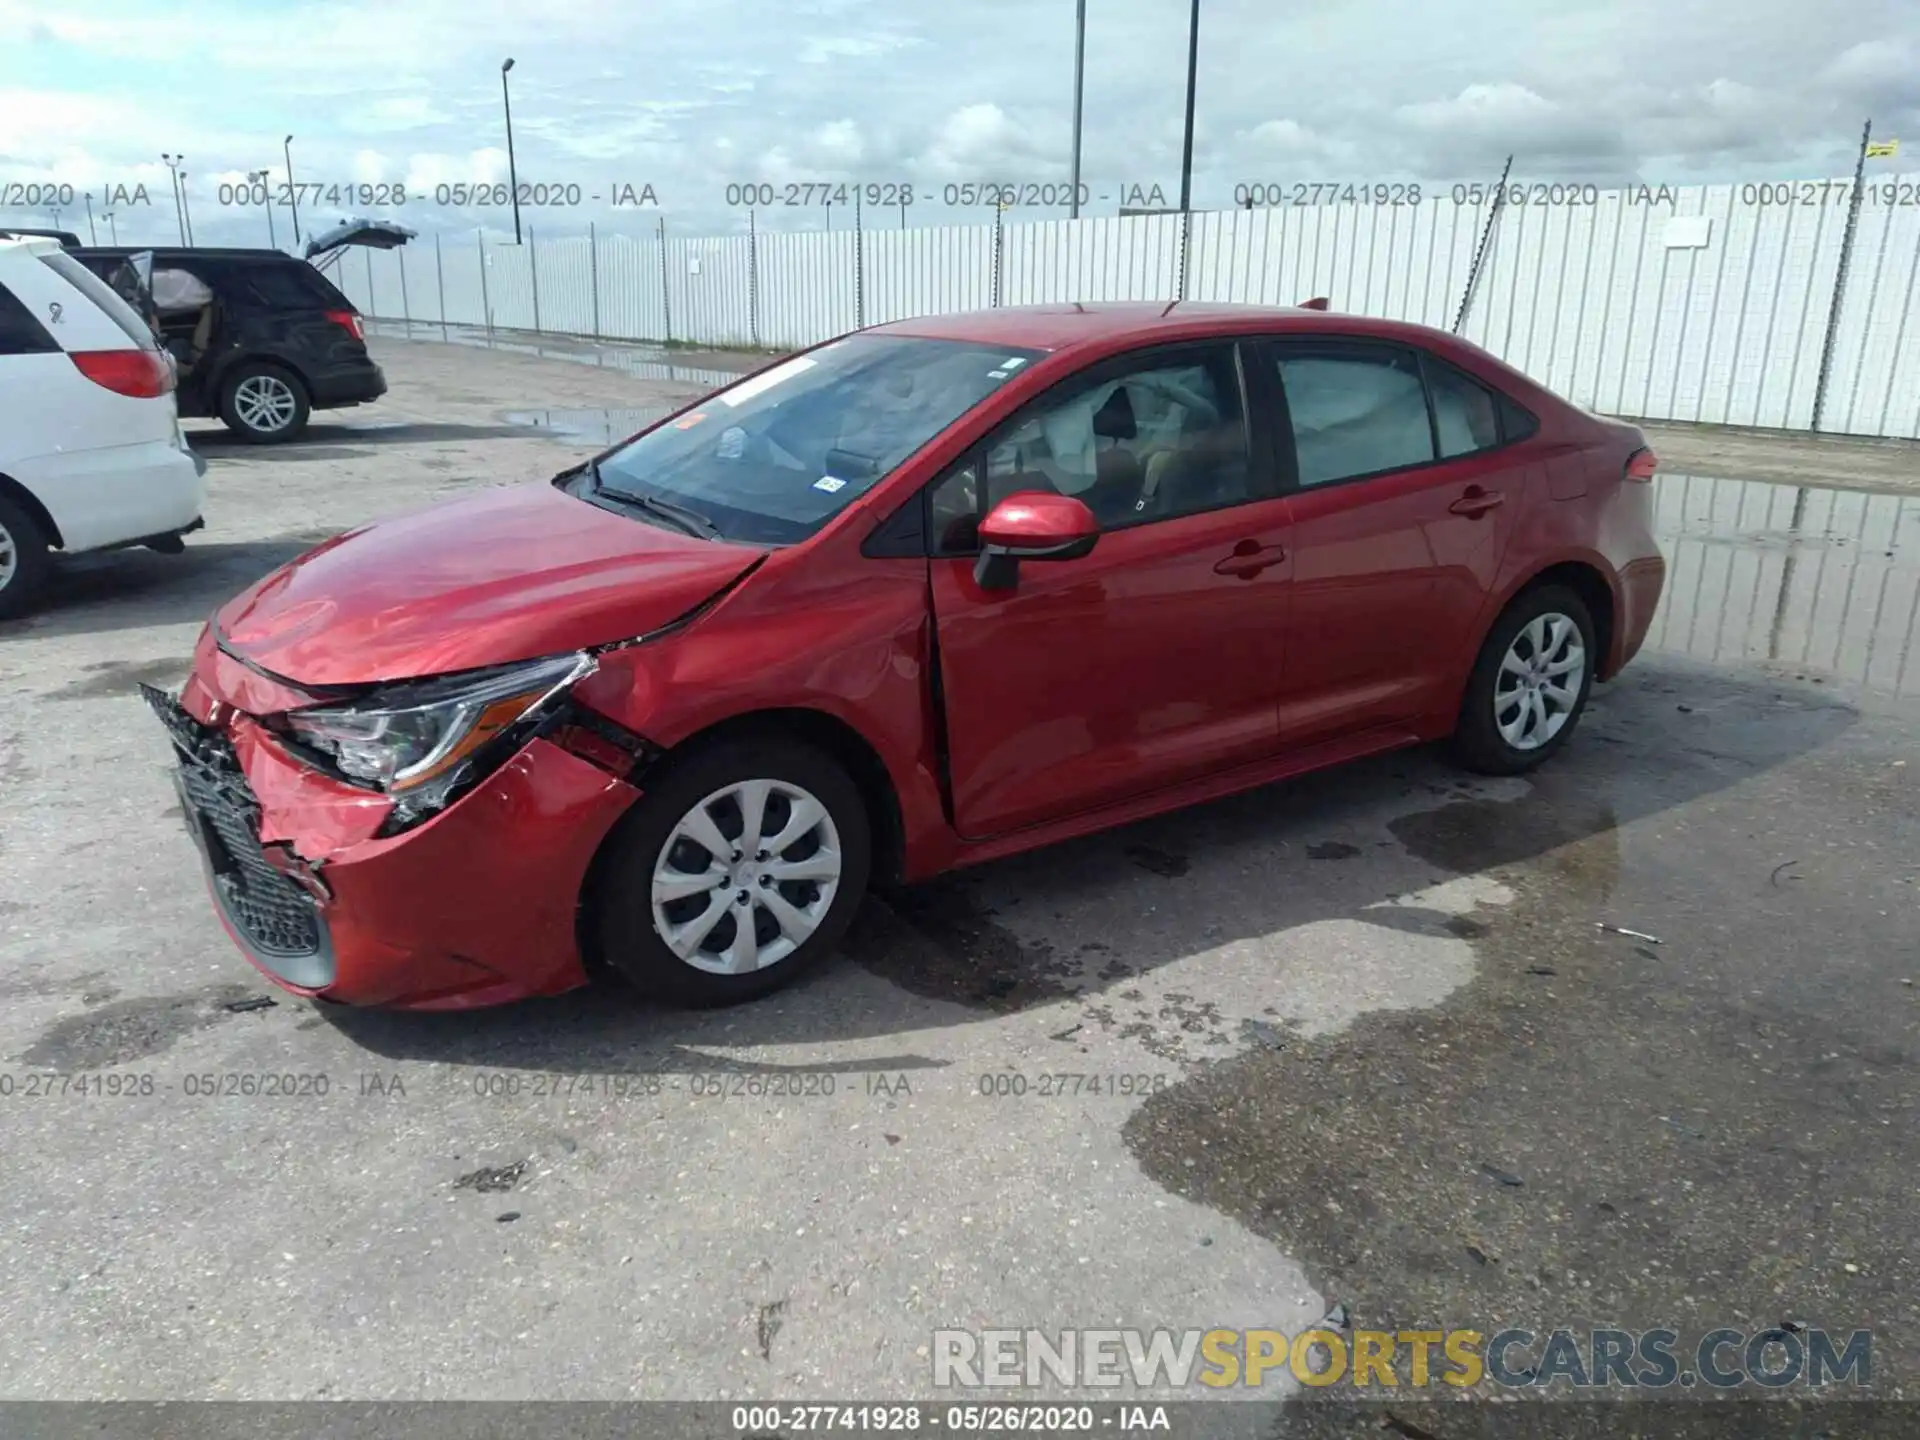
{"x":1477,"y":501}
{"x":1249,"y":558}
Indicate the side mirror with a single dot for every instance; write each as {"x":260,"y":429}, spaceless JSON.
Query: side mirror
{"x":1032,"y":525}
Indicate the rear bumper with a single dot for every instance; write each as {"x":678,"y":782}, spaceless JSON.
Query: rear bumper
{"x":119,"y":495}
{"x":349,"y":385}
{"x":1641,"y":582}
{"x":477,"y":906}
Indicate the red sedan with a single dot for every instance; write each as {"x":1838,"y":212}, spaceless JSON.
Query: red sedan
{"x":926,"y":595}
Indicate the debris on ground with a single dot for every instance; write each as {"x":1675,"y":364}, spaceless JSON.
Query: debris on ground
{"x":1630,"y":934}
{"x":1336,"y":1318}
{"x":492,"y":1179}
{"x":768,"y":1325}
{"x":507,"y":1217}
{"x":1683,"y":1129}
{"x":1262,"y":1034}
{"x":1068,"y":1033}
{"x":1405,"y":1429}
{"x":1502,"y":1177}
{"x":1774,"y":879}
{"x":252,"y":1002}
{"x":891,"y":1139}
{"x":1481,"y":1255}
{"x":1541,"y":970}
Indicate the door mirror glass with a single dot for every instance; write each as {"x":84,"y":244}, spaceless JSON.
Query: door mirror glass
{"x":1032,"y":525}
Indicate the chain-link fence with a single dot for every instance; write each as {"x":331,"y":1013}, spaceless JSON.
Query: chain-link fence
{"x":1711,"y":304}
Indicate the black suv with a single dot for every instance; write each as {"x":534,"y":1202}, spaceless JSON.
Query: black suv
{"x":260,"y":337}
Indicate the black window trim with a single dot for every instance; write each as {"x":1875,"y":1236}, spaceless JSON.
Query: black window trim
{"x":888,"y":539}
{"x":1274,"y":347}
{"x":31,"y":337}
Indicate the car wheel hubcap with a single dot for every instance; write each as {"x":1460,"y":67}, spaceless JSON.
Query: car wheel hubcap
{"x":264,"y":402}
{"x":746,"y":877}
{"x":9,"y":557}
{"x":1539,"y":682}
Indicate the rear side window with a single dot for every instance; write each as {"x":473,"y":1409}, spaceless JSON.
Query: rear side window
{"x":20,"y":332}
{"x":294,"y":287}
{"x":101,"y":294}
{"x":1465,"y":413}
{"x":1356,"y":413}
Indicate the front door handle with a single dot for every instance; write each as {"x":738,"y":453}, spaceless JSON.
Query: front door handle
{"x":1477,"y":502}
{"x":1249,"y":558}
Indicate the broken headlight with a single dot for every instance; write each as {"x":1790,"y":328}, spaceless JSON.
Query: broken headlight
{"x":419,"y":740}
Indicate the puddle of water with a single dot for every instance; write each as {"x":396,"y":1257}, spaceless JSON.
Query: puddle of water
{"x":643,"y":362}
{"x":1815,"y":582}
{"x":588,"y":427}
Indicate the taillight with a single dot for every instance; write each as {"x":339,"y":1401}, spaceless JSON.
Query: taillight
{"x":348,"y":321}
{"x":141,"y":374}
{"x":1640,"y":465}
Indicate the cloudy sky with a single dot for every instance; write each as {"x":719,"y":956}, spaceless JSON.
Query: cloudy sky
{"x":689,"y":96}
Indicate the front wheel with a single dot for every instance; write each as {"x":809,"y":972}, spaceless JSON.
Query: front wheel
{"x":264,"y":403}
{"x":1529,"y":685}
{"x":738,"y":870}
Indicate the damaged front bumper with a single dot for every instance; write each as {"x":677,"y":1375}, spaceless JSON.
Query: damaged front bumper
{"x":474,"y":906}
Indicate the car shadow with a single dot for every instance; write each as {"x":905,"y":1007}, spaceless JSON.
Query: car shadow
{"x":972,"y":945}
{"x":321,"y":440}
{"x":113,"y":590}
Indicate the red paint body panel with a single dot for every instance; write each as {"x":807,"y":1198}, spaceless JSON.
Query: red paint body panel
{"x":1177,"y":661}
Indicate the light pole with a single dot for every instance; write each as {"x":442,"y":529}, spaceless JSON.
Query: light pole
{"x":186,"y":208}
{"x":259,"y":177}
{"x":113,"y":230}
{"x":1186,"y":145}
{"x":1079,"y":76}
{"x":513,"y":175}
{"x":293,"y":191}
{"x":173,"y":169}
{"x":93,"y":235}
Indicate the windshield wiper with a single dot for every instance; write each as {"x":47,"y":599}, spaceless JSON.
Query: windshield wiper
{"x":690,"y":522}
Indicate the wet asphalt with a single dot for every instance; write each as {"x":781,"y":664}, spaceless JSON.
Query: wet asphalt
{"x":1389,"y":1064}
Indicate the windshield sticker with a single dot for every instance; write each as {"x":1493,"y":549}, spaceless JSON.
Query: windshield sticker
{"x":687,"y":422}
{"x":732,"y":444}
{"x":766,"y":380}
{"x":998,"y":374}
{"x":829,"y":484}
{"x":1013,"y":362}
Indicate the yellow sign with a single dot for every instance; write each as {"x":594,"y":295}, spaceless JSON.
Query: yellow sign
{"x":1877,"y":149}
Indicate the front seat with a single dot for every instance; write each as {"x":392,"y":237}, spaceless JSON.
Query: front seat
{"x":1118,"y":473}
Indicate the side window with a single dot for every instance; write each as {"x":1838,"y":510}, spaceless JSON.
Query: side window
{"x":286,"y":287}
{"x":1165,"y":439}
{"x":1355,"y":413}
{"x":20,"y":332}
{"x":1464,"y":412}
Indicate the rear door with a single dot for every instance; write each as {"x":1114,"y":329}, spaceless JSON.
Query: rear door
{"x":1153,"y":660}
{"x":1403,"y":499}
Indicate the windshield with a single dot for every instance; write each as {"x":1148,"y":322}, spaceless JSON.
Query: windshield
{"x":773,"y":458}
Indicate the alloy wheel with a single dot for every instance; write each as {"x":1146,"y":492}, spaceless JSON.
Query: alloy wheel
{"x":746,"y":877}
{"x":1540,"y":681}
{"x":9,"y":557}
{"x":264,"y":403}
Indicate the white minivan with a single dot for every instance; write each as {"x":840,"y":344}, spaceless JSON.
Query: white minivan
{"x":91,"y":452}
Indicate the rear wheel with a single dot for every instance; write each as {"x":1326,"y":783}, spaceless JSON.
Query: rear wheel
{"x":1529,"y":685}
{"x":264,"y":403}
{"x":740,"y":869}
{"x":24,"y":560}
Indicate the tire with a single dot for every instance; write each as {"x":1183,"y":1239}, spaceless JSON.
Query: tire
{"x":255,"y":391}
{"x":24,"y":560}
{"x":1551,"y":614}
{"x":653,"y":839}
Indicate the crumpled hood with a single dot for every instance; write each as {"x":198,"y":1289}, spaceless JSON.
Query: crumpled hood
{"x":503,"y":575}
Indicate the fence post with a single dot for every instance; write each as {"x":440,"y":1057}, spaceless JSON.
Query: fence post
{"x":753,"y":282}
{"x":440,"y":279}
{"x":859,"y":267}
{"x":666,"y":291}
{"x":486,"y":301}
{"x":593,"y":274}
{"x":533,"y":268}
{"x":368,"y":255}
{"x":1186,"y":239}
{"x":1840,"y":280}
{"x":406,"y":305}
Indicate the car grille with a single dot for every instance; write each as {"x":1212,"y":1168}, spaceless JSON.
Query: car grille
{"x":276,"y":917}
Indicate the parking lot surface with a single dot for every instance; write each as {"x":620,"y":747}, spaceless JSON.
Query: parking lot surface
{"x":1359,"y":1040}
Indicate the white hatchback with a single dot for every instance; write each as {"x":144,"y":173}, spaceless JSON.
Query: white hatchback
{"x":91,"y":452}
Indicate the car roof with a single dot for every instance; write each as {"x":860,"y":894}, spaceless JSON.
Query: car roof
{"x":1122,"y":324}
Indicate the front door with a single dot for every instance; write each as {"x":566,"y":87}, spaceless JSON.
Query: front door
{"x":1154,"y":659}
